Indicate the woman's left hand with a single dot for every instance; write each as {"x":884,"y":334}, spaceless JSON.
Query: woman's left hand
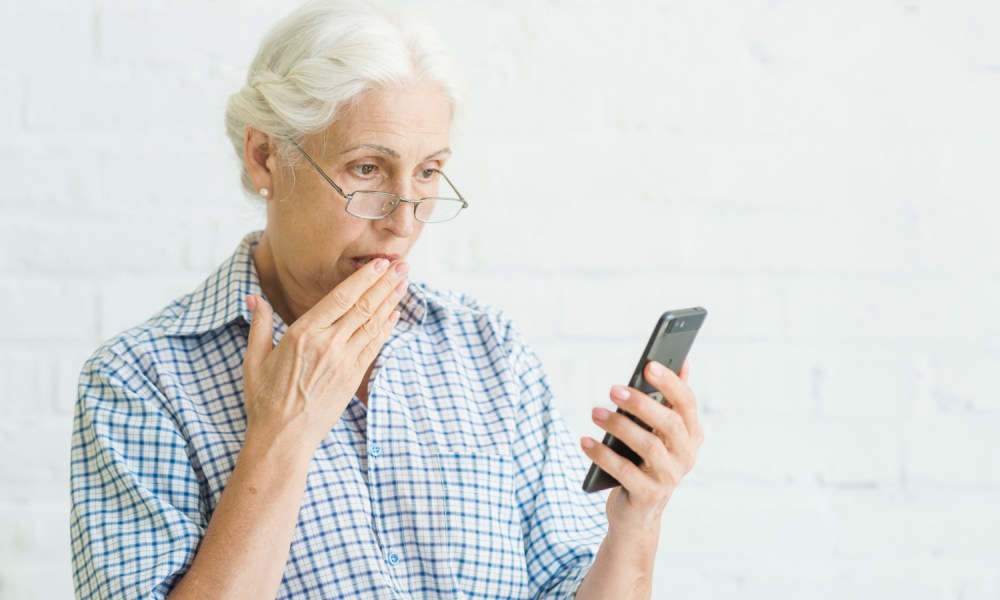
{"x":668,"y":452}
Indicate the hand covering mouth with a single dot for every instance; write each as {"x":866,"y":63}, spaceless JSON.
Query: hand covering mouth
{"x":370,"y":257}
{"x":359,"y":261}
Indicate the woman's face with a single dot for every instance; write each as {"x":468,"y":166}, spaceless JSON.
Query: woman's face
{"x":385,"y":142}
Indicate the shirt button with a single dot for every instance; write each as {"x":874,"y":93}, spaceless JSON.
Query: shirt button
{"x":392,"y":559}
{"x":375,"y":450}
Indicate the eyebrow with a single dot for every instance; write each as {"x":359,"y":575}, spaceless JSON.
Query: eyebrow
{"x":392,"y":153}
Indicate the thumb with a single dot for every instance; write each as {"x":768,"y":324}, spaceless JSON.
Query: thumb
{"x":260,"y":341}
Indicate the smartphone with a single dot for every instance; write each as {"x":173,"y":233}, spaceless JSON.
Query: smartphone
{"x":669,"y":345}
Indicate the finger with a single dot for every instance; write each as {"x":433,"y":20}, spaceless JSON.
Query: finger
{"x":366,"y":309}
{"x":261,"y":338}
{"x":646,"y":408}
{"x":676,"y":392}
{"x":370,"y":350}
{"x":630,"y":476}
{"x":669,"y":429}
{"x":372,"y":328}
{"x":647,"y":445}
{"x":681,"y":445}
{"x":685,"y":373}
{"x":665,"y":421}
{"x":343,"y":297}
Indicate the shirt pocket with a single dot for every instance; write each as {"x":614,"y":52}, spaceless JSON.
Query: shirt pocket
{"x":483,"y":527}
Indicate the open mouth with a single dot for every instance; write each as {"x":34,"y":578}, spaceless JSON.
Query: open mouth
{"x":360,"y":261}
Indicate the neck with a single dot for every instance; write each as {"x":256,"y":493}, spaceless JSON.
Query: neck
{"x":270,"y":281}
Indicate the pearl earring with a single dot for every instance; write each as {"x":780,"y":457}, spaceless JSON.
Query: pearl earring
{"x":264,"y":192}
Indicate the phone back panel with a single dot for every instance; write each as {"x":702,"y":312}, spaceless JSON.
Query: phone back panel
{"x":669,"y":345}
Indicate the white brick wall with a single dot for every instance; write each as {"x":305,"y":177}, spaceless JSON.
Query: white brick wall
{"x":823,"y":176}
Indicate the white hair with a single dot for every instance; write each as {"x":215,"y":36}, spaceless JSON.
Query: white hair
{"x":322,"y":57}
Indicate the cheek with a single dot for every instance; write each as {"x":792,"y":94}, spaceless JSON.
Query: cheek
{"x":317,"y":227}
{"x":333,"y":232}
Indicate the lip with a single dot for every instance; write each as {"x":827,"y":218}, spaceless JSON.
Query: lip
{"x":359,"y":261}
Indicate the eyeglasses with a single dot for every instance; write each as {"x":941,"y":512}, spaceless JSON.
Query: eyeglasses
{"x":379,"y":205}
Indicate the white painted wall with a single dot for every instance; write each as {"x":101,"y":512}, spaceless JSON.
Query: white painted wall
{"x":823,"y":176}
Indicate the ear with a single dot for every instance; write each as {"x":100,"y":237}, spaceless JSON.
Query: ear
{"x":259,"y":158}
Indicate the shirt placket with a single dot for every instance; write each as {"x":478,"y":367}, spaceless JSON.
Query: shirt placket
{"x":382,"y":456}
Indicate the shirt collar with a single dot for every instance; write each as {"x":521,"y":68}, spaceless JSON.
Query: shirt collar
{"x":219,"y":299}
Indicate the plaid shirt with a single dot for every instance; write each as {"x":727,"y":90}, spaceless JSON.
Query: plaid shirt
{"x":458,"y":480}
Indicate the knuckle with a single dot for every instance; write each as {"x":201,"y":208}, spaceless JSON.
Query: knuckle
{"x":297,"y":339}
{"x":370,"y":351}
{"x":684,"y":458}
{"x":303,"y":343}
{"x":387,"y":328}
{"x":371,"y":329}
{"x":331,"y":346}
{"x":675,"y":473}
{"x":651,"y":445}
{"x":340,"y":299}
{"x":675,"y":424}
{"x":365,"y":307}
{"x":689,"y":395}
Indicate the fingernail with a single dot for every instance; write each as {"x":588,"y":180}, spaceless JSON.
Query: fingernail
{"x":587,"y":443}
{"x":601,"y":414}
{"x":402,"y":268}
{"x":620,"y":392}
{"x":381,"y":265}
{"x":394,"y":316}
{"x":251,"y":302}
{"x":401,"y":286}
{"x":656,"y":369}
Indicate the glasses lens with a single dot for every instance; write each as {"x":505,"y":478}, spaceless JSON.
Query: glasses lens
{"x":438,"y":210}
{"x":372,"y":205}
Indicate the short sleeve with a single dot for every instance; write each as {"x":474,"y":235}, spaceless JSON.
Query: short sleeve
{"x":563,"y":526}
{"x":136,"y":506}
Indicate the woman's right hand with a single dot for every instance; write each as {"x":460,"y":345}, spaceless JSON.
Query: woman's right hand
{"x":295,"y":392}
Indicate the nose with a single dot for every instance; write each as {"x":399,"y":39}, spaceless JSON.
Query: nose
{"x":402,"y":222}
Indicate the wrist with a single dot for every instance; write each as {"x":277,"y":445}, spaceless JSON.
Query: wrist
{"x":639,"y":539}
{"x":291,"y":453}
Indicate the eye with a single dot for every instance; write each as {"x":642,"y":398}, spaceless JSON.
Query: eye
{"x":364,"y":170}
{"x":428,"y":173}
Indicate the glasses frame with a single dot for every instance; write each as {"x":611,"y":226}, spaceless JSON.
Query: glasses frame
{"x":398,"y":200}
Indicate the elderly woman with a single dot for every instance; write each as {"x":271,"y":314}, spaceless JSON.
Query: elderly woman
{"x":309,"y":422}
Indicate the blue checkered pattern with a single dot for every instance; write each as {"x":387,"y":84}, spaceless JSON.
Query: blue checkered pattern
{"x":459,"y":480}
